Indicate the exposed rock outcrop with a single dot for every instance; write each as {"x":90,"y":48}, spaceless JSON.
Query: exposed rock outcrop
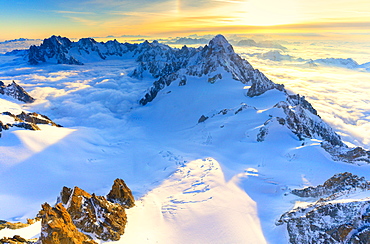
{"x":302,"y":119}
{"x":263,"y":131}
{"x":5,"y":224}
{"x":121,"y":194}
{"x":202,"y":119}
{"x":58,"y":228}
{"x":337,"y":217}
{"x":16,"y":91}
{"x":16,"y":239}
{"x":349,"y":155}
{"x":28,"y":121}
{"x":94,"y":217}
{"x":35,"y":118}
{"x":338,"y":185}
{"x":262,"y":84}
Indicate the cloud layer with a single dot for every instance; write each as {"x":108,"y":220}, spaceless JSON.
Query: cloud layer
{"x":341,"y":95}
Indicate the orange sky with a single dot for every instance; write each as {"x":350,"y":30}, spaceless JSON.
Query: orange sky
{"x":98,"y":18}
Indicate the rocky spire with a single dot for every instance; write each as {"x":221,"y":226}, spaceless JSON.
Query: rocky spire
{"x":121,"y":194}
{"x":16,"y":91}
{"x":93,"y":216}
{"x":54,"y":48}
{"x":220,"y":44}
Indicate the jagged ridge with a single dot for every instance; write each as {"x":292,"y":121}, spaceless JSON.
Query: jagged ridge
{"x":169,"y":65}
{"x":16,"y":91}
{"x":61,"y":50}
{"x":330,"y":220}
{"x":161,"y":61}
{"x":83,"y":216}
{"x":28,"y":121}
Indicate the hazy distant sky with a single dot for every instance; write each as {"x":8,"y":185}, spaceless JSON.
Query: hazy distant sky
{"x":82,"y":18}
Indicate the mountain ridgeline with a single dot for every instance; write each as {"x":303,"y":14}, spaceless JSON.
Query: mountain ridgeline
{"x":171,"y":65}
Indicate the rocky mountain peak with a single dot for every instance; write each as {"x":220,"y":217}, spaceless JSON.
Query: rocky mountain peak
{"x":220,"y":44}
{"x":95,"y":216}
{"x":169,"y":65}
{"x":87,"y":41}
{"x":55,"y":48}
{"x":56,"y":42}
{"x":121,"y":194}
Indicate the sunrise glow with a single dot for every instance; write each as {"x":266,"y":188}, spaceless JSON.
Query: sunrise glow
{"x":97,"y":18}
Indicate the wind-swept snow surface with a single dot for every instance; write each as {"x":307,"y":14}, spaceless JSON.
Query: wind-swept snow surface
{"x":195,"y":205}
{"x":206,"y":162}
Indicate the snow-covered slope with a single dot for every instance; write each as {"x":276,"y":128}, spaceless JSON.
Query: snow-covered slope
{"x":210,"y":158}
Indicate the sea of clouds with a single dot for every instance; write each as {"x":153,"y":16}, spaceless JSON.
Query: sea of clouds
{"x":340,"y":93}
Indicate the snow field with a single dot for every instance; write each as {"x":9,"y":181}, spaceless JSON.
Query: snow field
{"x":208,"y":182}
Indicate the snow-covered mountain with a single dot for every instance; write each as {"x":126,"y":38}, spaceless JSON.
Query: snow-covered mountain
{"x":339,"y":62}
{"x":61,"y":50}
{"x":210,"y":147}
{"x":338,"y":214}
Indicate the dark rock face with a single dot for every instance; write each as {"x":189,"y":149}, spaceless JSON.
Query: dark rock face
{"x":16,"y":91}
{"x":263,"y":131}
{"x":202,"y":119}
{"x":339,"y":184}
{"x":56,"y":48}
{"x":330,"y":219}
{"x":349,"y":155}
{"x":296,"y":100}
{"x":303,"y":120}
{"x":58,"y":228}
{"x":311,"y":227}
{"x":121,"y":194}
{"x":262,"y":84}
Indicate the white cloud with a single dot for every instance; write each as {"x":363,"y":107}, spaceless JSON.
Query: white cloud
{"x":340,"y":95}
